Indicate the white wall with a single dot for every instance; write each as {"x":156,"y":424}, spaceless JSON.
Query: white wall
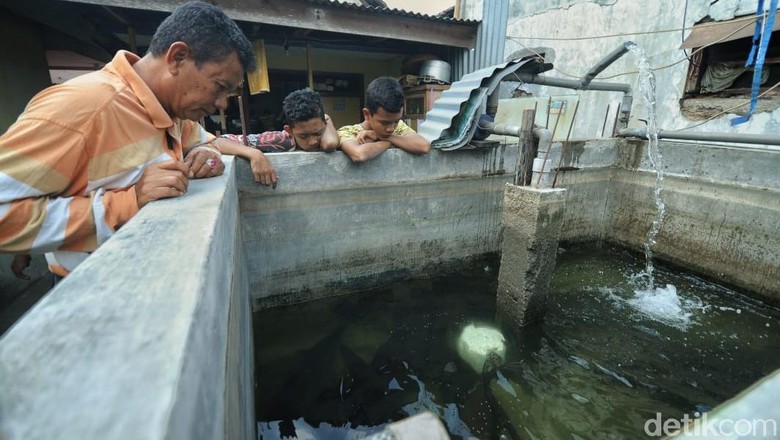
{"x":430,"y":7}
{"x":562,"y":26}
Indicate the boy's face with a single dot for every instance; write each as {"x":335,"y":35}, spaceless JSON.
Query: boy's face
{"x":307,"y":134}
{"x":382,"y":122}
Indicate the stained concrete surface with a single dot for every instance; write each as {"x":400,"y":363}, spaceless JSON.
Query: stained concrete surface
{"x":531,"y":227}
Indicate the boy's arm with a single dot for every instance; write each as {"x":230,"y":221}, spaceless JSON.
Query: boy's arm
{"x":358,"y":146}
{"x":411,"y":143}
{"x":405,"y":138}
{"x":261,"y":168}
{"x":330,"y":139}
{"x":363,"y":152}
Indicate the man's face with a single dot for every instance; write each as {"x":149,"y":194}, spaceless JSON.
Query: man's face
{"x":307,"y":134}
{"x":383,"y":122}
{"x":201,"y":91}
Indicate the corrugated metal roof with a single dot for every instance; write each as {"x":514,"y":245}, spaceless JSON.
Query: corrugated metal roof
{"x":452,"y":121}
{"x":391,"y":11}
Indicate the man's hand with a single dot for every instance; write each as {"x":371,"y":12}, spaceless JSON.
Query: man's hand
{"x":204,"y":162}
{"x":261,"y":168}
{"x":19,"y":264}
{"x":161,"y":181}
{"x":367,"y":136}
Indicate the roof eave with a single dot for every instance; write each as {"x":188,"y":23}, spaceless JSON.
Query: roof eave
{"x":331,"y":17}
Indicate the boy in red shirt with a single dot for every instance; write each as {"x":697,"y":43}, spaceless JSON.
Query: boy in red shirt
{"x":307,"y":128}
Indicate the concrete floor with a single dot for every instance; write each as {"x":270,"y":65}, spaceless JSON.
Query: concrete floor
{"x":11,"y":309}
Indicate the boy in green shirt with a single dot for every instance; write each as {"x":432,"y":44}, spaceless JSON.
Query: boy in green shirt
{"x":382,"y":127}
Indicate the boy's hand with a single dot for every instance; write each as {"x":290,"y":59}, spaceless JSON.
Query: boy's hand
{"x":262,"y":169}
{"x":367,"y":136}
{"x":19,"y":264}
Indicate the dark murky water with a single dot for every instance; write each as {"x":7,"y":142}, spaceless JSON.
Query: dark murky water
{"x":607,"y":357}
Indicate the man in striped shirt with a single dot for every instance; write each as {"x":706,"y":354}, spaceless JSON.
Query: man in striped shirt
{"x":86,"y":155}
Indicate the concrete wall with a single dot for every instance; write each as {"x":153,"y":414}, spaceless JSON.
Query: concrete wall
{"x":150,"y":338}
{"x":723,"y":213}
{"x":334,"y":227}
{"x":722,"y":207}
{"x":562,"y":26}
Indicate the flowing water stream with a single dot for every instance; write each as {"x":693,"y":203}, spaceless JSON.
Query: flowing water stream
{"x":646,"y":82}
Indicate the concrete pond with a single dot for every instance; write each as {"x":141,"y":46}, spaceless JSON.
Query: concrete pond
{"x":152,"y":336}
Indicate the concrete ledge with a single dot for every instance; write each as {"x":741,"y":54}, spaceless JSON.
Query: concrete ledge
{"x":755,"y":408}
{"x":134,"y":344}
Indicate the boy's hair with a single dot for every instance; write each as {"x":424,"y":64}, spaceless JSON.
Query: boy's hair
{"x":302,"y":105}
{"x":210,"y":34}
{"x":385,"y":92}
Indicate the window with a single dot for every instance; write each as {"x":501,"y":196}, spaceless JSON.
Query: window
{"x":717,"y":78}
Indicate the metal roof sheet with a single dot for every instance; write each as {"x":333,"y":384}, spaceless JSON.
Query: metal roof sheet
{"x":452,"y":121}
{"x":391,"y":11}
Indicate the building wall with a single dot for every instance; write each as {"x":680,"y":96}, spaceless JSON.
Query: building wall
{"x":561,"y":25}
{"x":431,"y":7}
{"x":24,"y":71}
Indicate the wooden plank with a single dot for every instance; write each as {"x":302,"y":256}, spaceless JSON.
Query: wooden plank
{"x":303,"y":14}
{"x":309,"y":68}
{"x":694,"y":73}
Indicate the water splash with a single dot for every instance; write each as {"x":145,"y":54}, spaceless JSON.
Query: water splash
{"x":660,"y":304}
{"x":648,"y":91}
{"x":663,"y":305}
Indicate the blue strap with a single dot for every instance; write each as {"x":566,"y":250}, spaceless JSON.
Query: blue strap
{"x":760,"y":55}
{"x":756,"y":34}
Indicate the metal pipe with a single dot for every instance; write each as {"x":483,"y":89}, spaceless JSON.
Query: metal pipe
{"x":543,"y":135}
{"x":737,"y":138}
{"x":586,"y":83}
{"x":572,"y":83}
{"x":604,"y":63}
{"x":492,"y":103}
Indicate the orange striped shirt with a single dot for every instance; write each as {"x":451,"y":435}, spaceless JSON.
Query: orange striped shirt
{"x":69,"y":164}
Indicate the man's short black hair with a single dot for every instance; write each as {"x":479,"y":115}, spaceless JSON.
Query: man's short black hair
{"x":210,"y":34}
{"x":385,"y":92}
{"x":302,"y":105}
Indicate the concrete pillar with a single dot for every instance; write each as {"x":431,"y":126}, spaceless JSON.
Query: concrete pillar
{"x":531,"y":225}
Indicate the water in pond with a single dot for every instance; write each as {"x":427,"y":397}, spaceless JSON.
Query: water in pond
{"x":603,"y":362}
